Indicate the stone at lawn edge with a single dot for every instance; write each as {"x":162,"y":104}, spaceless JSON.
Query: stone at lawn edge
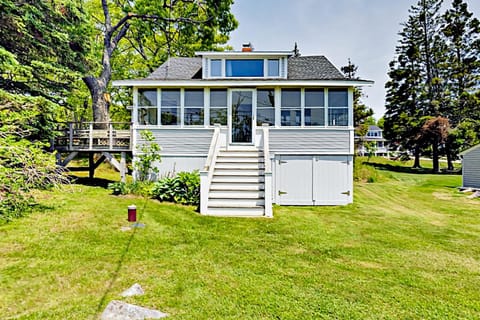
{"x":134,"y":290}
{"x":474,"y":195}
{"x":118,"y":310}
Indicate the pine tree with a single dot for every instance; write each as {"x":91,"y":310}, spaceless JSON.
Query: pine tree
{"x":461,"y":34}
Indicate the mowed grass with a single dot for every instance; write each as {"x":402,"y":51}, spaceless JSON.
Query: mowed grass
{"x":408,"y":248}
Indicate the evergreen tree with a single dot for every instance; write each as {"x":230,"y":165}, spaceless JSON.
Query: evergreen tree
{"x":461,"y":34}
{"x":361,"y":112}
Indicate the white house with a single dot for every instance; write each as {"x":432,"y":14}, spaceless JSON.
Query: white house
{"x":375,"y":135}
{"x":261,"y":126}
{"x":471,"y":167}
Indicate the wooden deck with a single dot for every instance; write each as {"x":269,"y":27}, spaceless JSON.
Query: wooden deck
{"x":74,"y":136}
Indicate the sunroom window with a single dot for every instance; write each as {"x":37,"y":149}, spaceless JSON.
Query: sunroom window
{"x":265,"y":106}
{"x":314,"y":107}
{"x":193,"y":111}
{"x":218,"y":106}
{"x":337,"y":107}
{"x":170,"y":107}
{"x":291,"y":107}
{"x":147,"y":107}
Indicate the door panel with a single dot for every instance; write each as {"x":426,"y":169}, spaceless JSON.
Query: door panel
{"x":314,"y":180}
{"x":294,"y":185}
{"x":242,"y":116}
{"x":332,"y":180}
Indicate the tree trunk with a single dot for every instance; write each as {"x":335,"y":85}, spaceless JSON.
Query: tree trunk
{"x":100,"y":105}
{"x":449,"y":156}
{"x":416,"y":163}
{"x":436,"y":167}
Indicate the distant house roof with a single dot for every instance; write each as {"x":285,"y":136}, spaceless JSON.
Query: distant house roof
{"x":374,"y":128}
{"x":299,"y":68}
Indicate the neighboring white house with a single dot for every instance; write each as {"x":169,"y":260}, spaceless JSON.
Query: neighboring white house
{"x":375,"y":135}
{"x":261,"y":126}
{"x":471,"y":167}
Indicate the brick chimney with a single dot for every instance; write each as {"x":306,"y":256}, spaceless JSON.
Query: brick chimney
{"x":247,"y":47}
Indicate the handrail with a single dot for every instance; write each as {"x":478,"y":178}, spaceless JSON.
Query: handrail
{"x":266,"y":148}
{"x":206,"y":175}
{"x":268,"y":184}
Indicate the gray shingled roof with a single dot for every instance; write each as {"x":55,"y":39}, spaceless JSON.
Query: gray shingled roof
{"x":299,"y":68}
{"x":178,"y":69}
{"x":312,"y":68}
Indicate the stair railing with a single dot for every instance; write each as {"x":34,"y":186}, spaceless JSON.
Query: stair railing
{"x":268,"y":171}
{"x":206,"y":175}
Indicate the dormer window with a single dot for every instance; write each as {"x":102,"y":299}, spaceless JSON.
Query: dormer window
{"x":244,"y":68}
{"x":273,"y":67}
{"x":216,"y":67}
{"x":231,"y":67}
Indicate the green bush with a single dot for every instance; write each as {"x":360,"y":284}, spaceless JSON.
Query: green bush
{"x":141,"y":188}
{"x":184,"y":188}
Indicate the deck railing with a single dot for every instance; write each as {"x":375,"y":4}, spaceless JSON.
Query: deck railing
{"x":93,"y":136}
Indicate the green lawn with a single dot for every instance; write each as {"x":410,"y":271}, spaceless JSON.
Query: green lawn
{"x":408,"y":248}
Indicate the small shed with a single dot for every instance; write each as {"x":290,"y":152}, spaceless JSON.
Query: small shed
{"x":471,"y":167}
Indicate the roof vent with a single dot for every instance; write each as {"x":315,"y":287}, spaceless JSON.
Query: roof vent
{"x":247,"y":47}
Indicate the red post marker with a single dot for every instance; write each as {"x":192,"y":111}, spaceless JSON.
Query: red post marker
{"x":132,"y":213}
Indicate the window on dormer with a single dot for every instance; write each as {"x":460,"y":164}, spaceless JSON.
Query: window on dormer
{"x":244,"y":68}
{"x":216,"y":68}
{"x":273,"y":67}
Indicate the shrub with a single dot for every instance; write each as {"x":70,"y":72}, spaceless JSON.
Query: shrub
{"x":184,"y":188}
{"x":149,"y":154}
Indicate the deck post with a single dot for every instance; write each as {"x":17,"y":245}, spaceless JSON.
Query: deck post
{"x":110,"y":135}
{"x":70,"y":135}
{"x":90,"y":136}
{"x":91,"y":165}
{"x":123,"y":166}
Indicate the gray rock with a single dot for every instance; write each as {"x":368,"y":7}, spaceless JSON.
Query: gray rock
{"x":134,"y":290}
{"x":118,"y":310}
{"x":476,"y":194}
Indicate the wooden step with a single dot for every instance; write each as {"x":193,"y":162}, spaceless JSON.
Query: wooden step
{"x":235,"y":203}
{"x":238,"y":172}
{"x":254,"y":186}
{"x":236,"y":212}
{"x":239,"y":166}
{"x":238,"y":179}
{"x":236,"y":194}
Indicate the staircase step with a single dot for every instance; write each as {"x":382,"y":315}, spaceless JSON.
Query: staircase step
{"x":231,"y":159}
{"x":237,"y":179}
{"x":238,"y":172}
{"x":238,"y":165}
{"x":237,"y":212}
{"x":255,"y":186}
{"x":235,"y":203}
{"x":241,"y":154}
{"x":236,"y":194}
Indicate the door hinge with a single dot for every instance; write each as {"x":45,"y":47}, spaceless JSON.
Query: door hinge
{"x":346,"y":193}
{"x":281,"y":192}
{"x":281,"y":161}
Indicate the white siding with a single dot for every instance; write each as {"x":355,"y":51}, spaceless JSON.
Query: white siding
{"x":180,"y":141}
{"x":310,"y":141}
{"x":471,"y":168}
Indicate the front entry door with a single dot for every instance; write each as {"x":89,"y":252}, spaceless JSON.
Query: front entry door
{"x":242,"y":116}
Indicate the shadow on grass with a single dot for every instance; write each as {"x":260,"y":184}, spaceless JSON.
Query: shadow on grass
{"x":94,"y":182}
{"x":120,"y":261}
{"x":404,"y":169}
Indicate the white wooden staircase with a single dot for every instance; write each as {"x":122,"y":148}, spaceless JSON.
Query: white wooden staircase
{"x":237,"y":186}
{"x":236,"y":180}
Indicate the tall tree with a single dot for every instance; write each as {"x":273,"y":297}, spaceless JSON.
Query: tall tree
{"x":403,"y":112}
{"x":361,"y":112}
{"x":165,"y":23}
{"x":461,"y":34}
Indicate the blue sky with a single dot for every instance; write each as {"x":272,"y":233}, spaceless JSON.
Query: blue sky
{"x":363,"y":30}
